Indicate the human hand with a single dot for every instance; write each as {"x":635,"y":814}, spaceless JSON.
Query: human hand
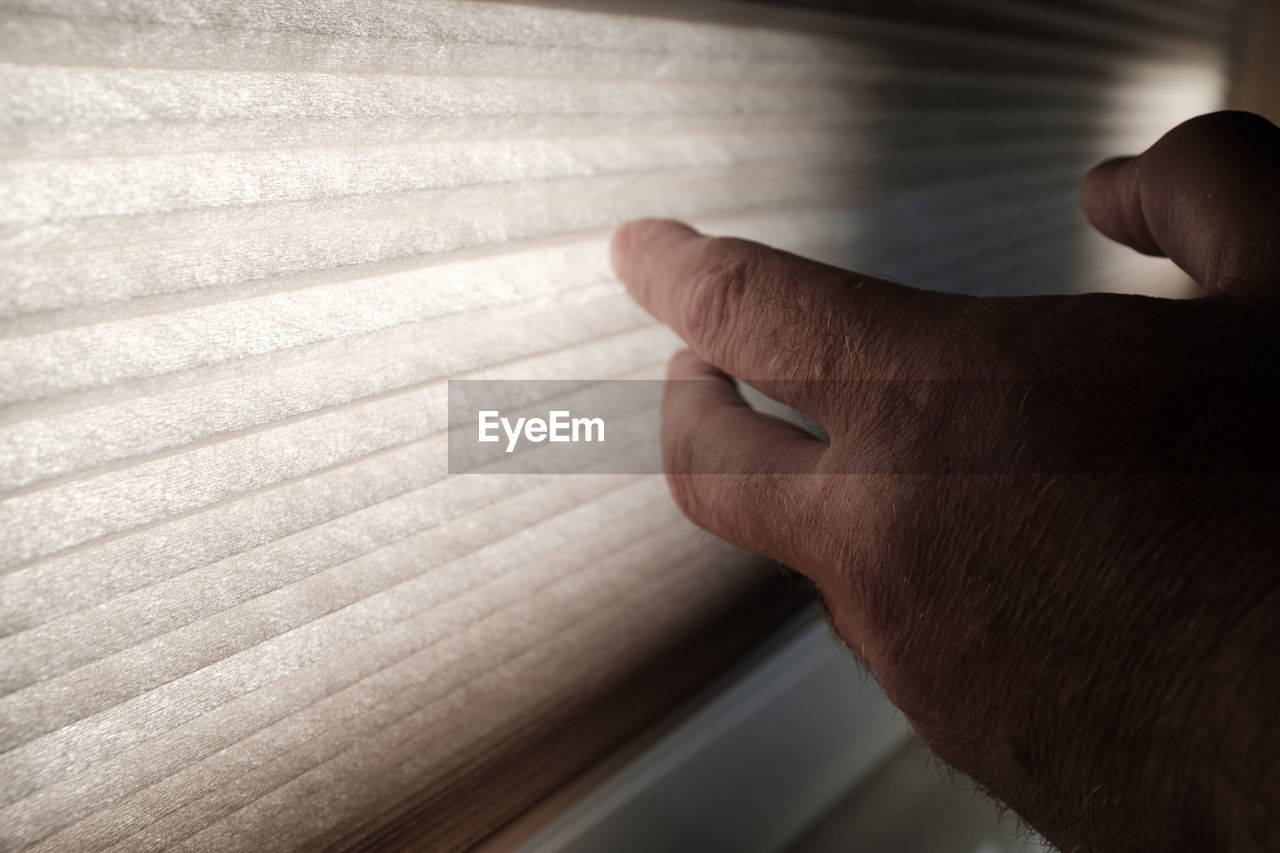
{"x":1050,"y":525}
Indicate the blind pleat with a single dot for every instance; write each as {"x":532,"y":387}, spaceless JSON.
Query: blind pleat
{"x":245,"y":246}
{"x":186,"y":672}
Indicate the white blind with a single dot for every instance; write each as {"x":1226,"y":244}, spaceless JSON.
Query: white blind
{"x":243,"y":247}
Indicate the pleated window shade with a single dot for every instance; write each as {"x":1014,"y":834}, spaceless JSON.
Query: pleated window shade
{"x":243,"y":247}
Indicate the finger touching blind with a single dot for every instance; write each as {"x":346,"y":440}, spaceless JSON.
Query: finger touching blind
{"x":244,"y":247}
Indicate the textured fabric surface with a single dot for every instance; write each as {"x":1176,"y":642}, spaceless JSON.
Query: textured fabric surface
{"x":243,"y":247}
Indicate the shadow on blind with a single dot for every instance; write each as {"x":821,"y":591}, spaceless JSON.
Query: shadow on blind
{"x":243,"y":247}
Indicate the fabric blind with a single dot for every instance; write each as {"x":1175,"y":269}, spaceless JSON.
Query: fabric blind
{"x":244,"y":245}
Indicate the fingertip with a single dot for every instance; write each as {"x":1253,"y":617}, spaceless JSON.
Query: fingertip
{"x":620,"y":251}
{"x":685,"y":364}
{"x":1099,"y":191}
{"x":1114,"y":162}
{"x":632,"y":239}
{"x":656,"y":227}
{"x":1111,"y":199}
{"x":1101,"y":178}
{"x":682,"y":364}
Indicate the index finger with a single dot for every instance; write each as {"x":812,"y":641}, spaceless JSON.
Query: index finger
{"x":783,"y":323}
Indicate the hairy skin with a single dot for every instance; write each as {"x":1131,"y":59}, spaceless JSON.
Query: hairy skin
{"x":1050,"y":525}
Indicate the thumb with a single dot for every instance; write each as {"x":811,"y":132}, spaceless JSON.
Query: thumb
{"x":1207,"y":195}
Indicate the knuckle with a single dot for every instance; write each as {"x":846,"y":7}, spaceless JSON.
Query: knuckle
{"x":714,"y":295}
{"x":991,"y":339}
{"x":850,"y":342}
{"x":832,"y":354}
{"x":823,"y":351}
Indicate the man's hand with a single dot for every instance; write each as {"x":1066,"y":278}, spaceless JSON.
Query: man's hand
{"x":1050,"y":525}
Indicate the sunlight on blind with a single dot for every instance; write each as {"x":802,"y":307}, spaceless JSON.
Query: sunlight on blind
{"x":244,"y":245}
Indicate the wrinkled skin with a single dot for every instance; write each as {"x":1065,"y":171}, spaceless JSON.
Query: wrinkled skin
{"x":1087,"y":626}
